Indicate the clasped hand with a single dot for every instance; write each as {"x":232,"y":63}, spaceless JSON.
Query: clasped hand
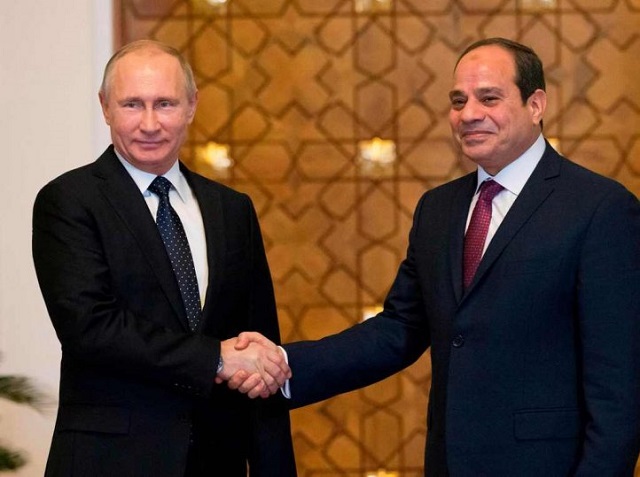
{"x":253,"y":365}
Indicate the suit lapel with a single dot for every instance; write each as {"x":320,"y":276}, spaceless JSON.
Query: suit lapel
{"x":124,"y":196}
{"x":537,"y":189}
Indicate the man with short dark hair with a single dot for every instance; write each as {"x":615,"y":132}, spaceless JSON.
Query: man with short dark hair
{"x":523,"y":278}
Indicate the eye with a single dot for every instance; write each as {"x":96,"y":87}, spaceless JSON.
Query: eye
{"x":165,"y":103}
{"x":458,"y":103}
{"x":489,"y":100}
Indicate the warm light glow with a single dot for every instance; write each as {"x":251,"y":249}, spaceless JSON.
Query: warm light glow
{"x":382,"y":473}
{"x":373,"y":6}
{"x":537,"y":5}
{"x":208,"y":7}
{"x":370,"y":311}
{"x":215,"y":156}
{"x":378,"y":151}
{"x":376,"y":158}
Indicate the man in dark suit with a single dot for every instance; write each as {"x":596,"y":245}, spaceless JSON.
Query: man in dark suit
{"x":141,"y":349}
{"x":535,"y":356}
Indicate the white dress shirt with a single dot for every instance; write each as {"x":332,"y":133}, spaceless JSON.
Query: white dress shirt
{"x":513,"y":178}
{"x":186,"y":206}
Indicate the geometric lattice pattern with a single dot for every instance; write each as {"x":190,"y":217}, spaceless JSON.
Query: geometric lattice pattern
{"x":292,"y":86}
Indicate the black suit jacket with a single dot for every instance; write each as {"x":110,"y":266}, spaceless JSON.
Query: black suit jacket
{"x":536,"y":366}
{"x":136,"y":385}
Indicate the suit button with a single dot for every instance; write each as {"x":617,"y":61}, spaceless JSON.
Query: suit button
{"x":458,"y":341}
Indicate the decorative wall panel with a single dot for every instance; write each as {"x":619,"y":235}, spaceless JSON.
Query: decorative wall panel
{"x":293,"y":86}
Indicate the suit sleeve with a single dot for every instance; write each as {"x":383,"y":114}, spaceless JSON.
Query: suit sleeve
{"x":367,"y":352}
{"x":608,"y":302}
{"x":93,"y":323}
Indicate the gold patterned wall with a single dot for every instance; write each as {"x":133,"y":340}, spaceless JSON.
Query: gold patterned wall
{"x":293,"y":86}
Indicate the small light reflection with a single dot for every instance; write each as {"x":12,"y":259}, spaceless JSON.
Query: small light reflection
{"x":538,"y":5}
{"x":216,"y":157}
{"x":376,"y":157}
{"x":381,"y":473}
{"x":373,"y":6}
{"x":370,"y":311}
{"x":210,"y":6}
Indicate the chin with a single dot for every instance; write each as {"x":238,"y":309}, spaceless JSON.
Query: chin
{"x":475,"y":154}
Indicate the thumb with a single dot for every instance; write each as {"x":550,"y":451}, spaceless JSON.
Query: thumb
{"x":243,"y":340}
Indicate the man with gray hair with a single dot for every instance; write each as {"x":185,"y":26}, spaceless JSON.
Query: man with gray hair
{"x":148,"y":271}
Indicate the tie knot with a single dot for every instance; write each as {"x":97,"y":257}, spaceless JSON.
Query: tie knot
{"x":489,"y":189}
{"x":160,"y":186}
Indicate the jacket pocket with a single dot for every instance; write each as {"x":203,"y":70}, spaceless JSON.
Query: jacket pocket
{"x":91,"y":418}
{"x":534,"y":424}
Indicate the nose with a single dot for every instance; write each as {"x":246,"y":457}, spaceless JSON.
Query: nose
{"x":149,"y":121}
{"x":471,"y":111}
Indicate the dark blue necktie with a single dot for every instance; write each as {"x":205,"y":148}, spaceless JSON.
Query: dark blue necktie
{"x":175,"y":241}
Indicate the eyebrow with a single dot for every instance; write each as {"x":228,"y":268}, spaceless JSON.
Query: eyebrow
{"x":488,"y":90}
{"x":477,"y":92}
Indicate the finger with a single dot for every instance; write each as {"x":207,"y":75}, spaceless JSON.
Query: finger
{"x":277,"y":369}
{"x":265,"y":394}
{"x":247,"y":337}
{"x":250,"y":382}
{"x":254,"y":394}
{"x":277,"y":358}
{"x":237,"y":379}
{"x":253,"y":382}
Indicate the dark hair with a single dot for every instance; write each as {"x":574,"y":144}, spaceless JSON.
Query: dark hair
{"x":149,"y":45}
{"x":529,"y":71}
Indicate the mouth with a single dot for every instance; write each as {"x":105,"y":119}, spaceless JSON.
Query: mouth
{"x":474,"y":134}
{"x":474,"y":138}
{"x":149,"y":144}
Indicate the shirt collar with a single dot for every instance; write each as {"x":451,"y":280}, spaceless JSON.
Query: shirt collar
{"x":515,"y":175}
{"x":143,"y":179}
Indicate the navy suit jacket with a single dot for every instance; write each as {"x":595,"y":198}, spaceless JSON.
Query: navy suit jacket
{"x":136,"y":385}
{"x":536,"y":366}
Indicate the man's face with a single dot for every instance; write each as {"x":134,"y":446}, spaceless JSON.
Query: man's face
{"x":487,"y":117}
{"x":148,"y":110}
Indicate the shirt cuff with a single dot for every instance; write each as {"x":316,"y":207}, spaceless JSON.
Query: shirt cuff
{"x":286,"y":388}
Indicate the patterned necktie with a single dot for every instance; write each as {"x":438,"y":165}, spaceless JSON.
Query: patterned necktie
{"x":478,"y":228}
{"x":175,"y":241}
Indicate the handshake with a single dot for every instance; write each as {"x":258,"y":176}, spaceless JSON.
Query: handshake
{"x":253,"y":365}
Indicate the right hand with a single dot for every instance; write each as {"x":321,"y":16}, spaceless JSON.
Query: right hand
{"x":253,"y":364}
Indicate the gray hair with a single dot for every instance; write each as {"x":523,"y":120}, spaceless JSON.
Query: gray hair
{"x":151,"y":45}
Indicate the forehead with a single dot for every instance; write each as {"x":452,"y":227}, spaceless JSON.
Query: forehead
{"x":147,"y":70}
{"x":489,"y":65}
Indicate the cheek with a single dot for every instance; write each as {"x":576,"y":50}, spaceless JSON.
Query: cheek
{"x":124,"y":124}
{"x":454,"y":119}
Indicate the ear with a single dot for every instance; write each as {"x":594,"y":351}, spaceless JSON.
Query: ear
{"x":193,"y":103}
{"x":537,"y":104}
{"x":105,"y":108}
